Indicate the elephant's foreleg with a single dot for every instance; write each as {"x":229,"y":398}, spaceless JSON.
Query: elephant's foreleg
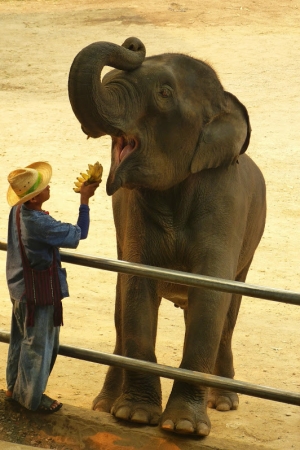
{"x":186,"y":410}
{"x":112,"y":386}
{"x":140,"y":399}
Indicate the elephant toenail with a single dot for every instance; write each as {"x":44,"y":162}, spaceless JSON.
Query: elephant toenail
{"x":168,"y":425}
{"x":122,"y":413}
{"x":203,"y":429}
{"x":184,"y":426}
{"x":140,"y":416}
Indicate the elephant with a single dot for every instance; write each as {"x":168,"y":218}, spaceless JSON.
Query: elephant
{"x":185,"y":196}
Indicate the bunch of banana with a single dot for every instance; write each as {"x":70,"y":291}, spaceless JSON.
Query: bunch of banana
{"x":92,"y":175}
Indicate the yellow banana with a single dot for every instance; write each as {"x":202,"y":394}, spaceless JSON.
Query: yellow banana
{"x":94,"y":172}
{"x":92,"y":175}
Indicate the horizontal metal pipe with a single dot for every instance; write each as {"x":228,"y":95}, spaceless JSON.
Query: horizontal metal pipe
{"x":174,"y":276}
{"x":187,"y":376}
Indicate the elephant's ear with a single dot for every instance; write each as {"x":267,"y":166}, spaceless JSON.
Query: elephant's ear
{"x":224,"y":138}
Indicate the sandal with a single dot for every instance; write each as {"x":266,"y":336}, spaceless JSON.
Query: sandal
{"x":48,"y":405}
{"x":8,"y":396}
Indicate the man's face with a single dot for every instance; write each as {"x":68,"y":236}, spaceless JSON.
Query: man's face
{"x":43,"y":196}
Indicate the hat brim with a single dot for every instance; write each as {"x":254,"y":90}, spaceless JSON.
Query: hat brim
{"x":46,"y":172}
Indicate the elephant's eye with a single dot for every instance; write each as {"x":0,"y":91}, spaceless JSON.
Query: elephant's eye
{"x":165,"y":92}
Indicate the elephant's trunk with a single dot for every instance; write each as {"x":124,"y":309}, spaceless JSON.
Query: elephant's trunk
{"x":97,"y":107}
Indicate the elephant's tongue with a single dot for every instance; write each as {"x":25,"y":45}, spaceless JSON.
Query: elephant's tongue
{"x":125,"y":151}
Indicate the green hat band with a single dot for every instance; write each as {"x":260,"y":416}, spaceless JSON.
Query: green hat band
{"x":34,"y":186}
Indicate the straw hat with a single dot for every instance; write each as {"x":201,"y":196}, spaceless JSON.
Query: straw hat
{"x":28,"y":182}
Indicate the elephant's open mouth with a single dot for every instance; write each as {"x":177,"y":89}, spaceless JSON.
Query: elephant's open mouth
{"x":123,"y":146}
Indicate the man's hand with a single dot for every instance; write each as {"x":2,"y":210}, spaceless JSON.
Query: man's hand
{"x":87,"y":191}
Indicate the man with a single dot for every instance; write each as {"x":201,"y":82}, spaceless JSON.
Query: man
{"x":37,"y":283}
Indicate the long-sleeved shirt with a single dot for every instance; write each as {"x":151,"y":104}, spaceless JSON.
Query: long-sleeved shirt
{"x":41,"y":233}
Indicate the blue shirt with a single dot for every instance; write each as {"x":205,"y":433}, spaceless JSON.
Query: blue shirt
{"x":40,"y":233}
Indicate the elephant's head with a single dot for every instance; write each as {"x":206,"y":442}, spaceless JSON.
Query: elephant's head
{"x":168,"y":115}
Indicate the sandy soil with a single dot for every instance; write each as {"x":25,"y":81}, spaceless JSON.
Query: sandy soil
{"x":255,"y":48}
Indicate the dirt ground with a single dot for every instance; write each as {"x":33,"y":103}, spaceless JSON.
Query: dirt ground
{"x":255,"y":48}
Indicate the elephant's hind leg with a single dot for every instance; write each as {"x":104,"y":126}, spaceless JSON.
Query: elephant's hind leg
{"x":221,"y":399}
{"x":110,"y":391}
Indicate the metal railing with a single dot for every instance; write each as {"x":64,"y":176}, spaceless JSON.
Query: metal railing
{"x":188,"y":376}
{"x":175,"y":276}
{"x":188,"y":279}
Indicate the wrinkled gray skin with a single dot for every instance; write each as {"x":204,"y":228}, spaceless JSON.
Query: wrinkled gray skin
{"x":185,"y":197}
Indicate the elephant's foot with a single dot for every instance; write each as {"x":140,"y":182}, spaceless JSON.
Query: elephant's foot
{"x":186,"y":419}
{"x":134,"y":411}
{"x":222,"y":400}
{"x":110,"y":391}
{"x":103,"y":403}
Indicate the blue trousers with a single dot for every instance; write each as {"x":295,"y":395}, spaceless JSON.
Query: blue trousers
{"x":31,"y":355}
